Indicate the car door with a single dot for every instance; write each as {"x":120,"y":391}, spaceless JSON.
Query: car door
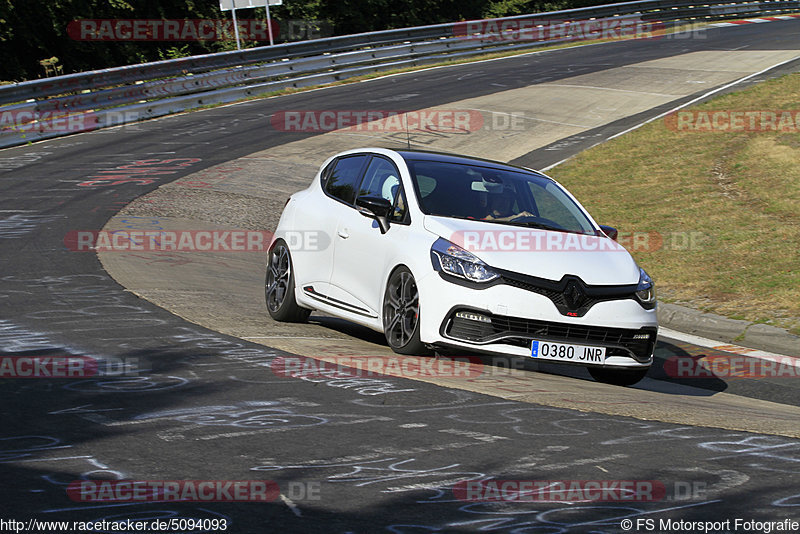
{"x":316,"y":225}
{"x":361,"y":251}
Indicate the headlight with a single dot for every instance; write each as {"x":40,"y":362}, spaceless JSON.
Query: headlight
{"x":646,"y":290}
{"x":456,"y":261}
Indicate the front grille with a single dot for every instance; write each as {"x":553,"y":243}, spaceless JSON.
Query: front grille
{"x":571,"y":296}
{"x":581,"y":305}
{"x":518,"y":331}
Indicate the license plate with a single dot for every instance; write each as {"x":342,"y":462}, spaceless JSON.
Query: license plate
{"x":567,"y":352}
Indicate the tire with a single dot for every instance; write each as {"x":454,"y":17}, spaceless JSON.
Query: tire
{"x":618,"y":377}
{"x":279,"y":287}
{"x":401,"y":314}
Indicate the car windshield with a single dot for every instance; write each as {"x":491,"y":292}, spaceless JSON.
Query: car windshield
{"x":495,"y":195}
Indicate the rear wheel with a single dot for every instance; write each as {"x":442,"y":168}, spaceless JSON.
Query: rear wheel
{"x":618,"y":377}
{"x":279,"y":287}
{"x":401,"y":313}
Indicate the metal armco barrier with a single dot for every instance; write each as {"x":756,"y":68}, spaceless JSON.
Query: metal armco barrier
{"x":61,"y":105}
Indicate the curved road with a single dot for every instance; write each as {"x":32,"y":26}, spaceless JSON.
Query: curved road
{"x":181,"y":401}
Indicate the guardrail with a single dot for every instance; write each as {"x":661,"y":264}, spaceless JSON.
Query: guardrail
{"x":61,"y":105}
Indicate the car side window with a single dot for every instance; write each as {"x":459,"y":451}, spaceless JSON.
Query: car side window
{"x":382,"y":179}
{"x":342,"y":181}
{"x":326,"y":172}
{"x":399,"y":211}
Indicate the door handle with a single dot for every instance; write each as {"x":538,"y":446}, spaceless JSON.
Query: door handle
{"x":343,"y":233}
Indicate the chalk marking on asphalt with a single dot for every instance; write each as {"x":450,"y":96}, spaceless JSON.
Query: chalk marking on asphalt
{"x":532,"y":118}
{"x":606,"y":88}
{"x":292,"y":506}
{"x":286,"y":337}
{"x":93,"y":507}
{"x":48,"y":459}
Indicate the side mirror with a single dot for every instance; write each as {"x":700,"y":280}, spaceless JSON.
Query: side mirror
{"x":610,"y":231}
{"x":377,"y":208}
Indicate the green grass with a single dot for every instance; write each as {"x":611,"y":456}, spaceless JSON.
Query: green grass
{"x":737,"y":193}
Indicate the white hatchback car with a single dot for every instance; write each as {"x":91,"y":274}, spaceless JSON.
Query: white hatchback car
{"x":450,"y":252}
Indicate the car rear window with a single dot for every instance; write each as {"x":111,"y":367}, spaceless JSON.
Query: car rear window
{"x":342,"y":183}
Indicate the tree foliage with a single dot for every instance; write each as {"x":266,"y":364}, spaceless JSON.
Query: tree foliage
{"x":33,"y":30}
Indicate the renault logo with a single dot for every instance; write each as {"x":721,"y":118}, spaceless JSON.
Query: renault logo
{"x":573,"y":295}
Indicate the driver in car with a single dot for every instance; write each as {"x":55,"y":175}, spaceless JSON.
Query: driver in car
{"x":501,"y":207}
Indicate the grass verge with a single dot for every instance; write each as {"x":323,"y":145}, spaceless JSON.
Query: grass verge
{"x":717,"y":211}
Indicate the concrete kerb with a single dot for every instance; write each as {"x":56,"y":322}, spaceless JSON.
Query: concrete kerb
{"x":718,"y":327}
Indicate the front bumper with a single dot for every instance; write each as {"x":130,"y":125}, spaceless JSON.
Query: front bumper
{"x":516,"y":317}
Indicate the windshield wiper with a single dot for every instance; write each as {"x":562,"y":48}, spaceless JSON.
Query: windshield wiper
{"x":532,"y":224}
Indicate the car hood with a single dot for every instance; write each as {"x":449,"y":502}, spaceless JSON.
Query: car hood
{"x":542,"y":253}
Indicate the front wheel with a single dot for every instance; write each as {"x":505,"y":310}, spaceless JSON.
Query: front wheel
{"x":401,"y":313}
{"x":618,"y":377}
{"x":279,"y":287}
